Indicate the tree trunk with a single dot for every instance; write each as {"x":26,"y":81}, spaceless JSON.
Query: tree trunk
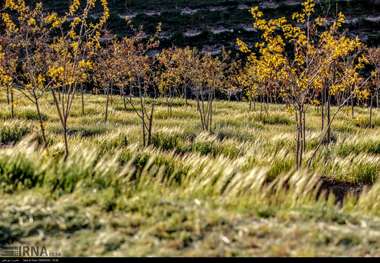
{"x":323,"y":104}
{"x":65,"y":141}
{"x":82,"y":99}
{"x":63,"y":115}
{"x":150,"y":128}
{"x":125,"y":102}
{"x":210,"y":111}
{"x":12,"y":103}
{"x":143,"y":121}
{"x":107,"y":104}
{"x":143,"y":127}
{"x":328,"y":139}
{"x":323,"y":137}
{"x":41,"y":121}
{"x":8,"y":99}
{"x":301,"y":135}
{"x":370,"y":111}
{"x":202,"y":111}
{"x":111,"y":94}
{"x":304,"y":129}
{"x":185,"y":94}
{"x":299,"y":139}
{"x":169,"y":103}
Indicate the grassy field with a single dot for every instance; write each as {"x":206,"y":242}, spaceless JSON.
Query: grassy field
{"x":231,"y":193}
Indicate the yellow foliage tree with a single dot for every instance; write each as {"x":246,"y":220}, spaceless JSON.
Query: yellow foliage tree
{"x":299,"y":75}
{"x":69,"y":58}
{"x":25,"y":45}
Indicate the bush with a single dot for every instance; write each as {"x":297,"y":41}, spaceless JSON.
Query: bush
{"x":25,"y":114}
{"x":279,"y":167}
{"x":369,"y":146}
{"x":83,"y":131}
{"x":166,"y":141}
{"x":346,"y":149}
{"x":11,"y":133}
{"x":173,"y":169}
{"x":83,"y":169}
{"x":17,"y":173}
{"x":178,"y":114}
{"x":65,"y":177}
{"x":373,"y":147}
{"x":273,"y":119}
{"x":31,"y":115}
{"x":203,"y":148}
{"x":363,"y":122}
{"x":226,"y":148}
{"x":365,"y":173}
{"x":108,"y":142}
{"x":343,"y":127}
{"x":230,"y":133}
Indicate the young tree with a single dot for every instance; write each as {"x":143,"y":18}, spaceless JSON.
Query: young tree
{"x":299,"y":74}
{"x":374,"y":60}
{"x":232,"y":71}
{"x":341,"y":80}
{"x":249,"y":83}
{"x":25,"y":43}
{"x":171,"y":77}
{"x":140,"y":70}
{"x":207,"y":75}
{"x":107,"y":70}
{"x":67,"y":66}
{"x":90,"y":52}
{"x":178,"y":69}
{"x":265,"y":68}
{"x":6,"y":79}
{"x":7,"y":66}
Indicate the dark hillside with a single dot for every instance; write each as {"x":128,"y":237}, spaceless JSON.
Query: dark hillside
{"x":211,"y":24}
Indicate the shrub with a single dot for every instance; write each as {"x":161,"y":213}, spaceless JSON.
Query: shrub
{"x":373,"y":147}
{"x":178,"y":114}
{"x":108,"y":200}
{"x":166,"y":141}
{"x":203,"y":148}
{"x":230,"y":133}
{"x":365,"y":173}
{"x":31,"y":115}
{"x":174,"y":170}
{"x":363,"y":122}
{"x":279,"y":167}
{"x":273,"y":119}
{"x":83,"y":131}
{"x":343,"y":127}
{"x":18,"y":172}
{"x":11,"y":133}
{"x":370,"y":146}
{"x":83,"y":169}
{"x":226,"y":148}
{"x":346,"y":149}
{"x":111,"y":141}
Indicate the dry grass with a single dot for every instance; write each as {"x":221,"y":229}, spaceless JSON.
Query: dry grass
{"x":234,"y":192}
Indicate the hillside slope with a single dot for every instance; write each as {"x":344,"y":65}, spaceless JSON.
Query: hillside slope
{"x":213,"y":24}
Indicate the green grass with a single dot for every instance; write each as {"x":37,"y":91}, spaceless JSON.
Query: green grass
{"x":12,"y":132}
{"x":234,"y":192}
